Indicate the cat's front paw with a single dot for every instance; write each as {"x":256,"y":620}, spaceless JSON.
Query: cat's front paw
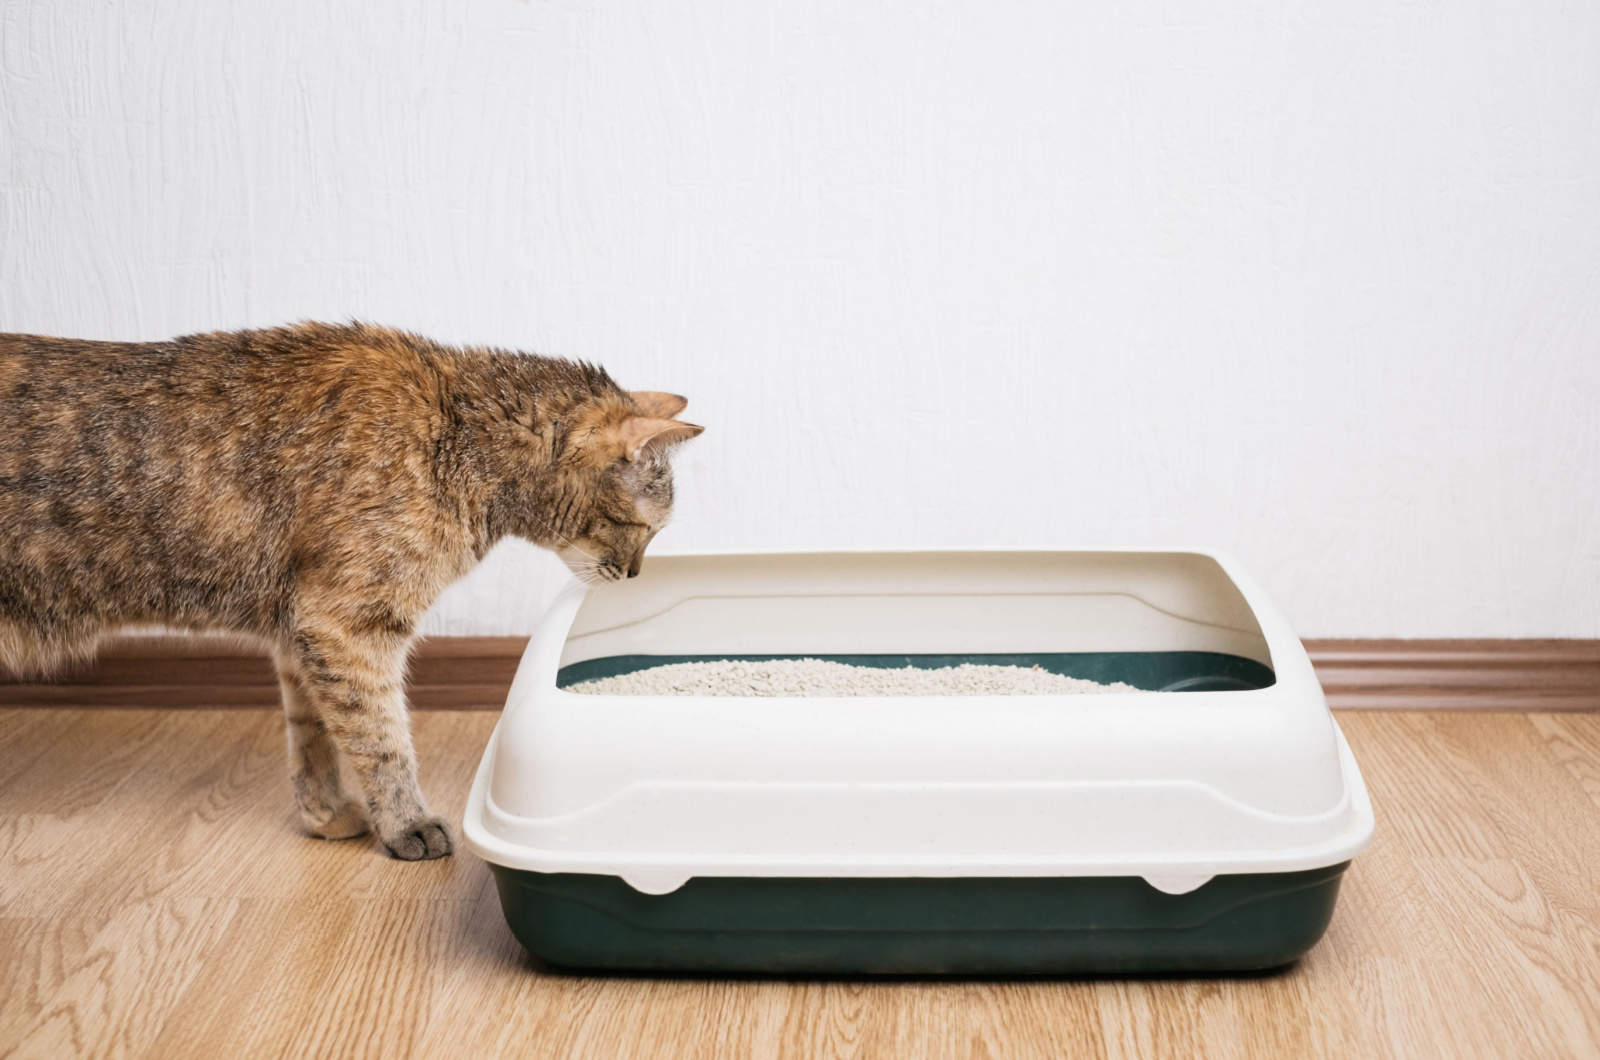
{"x":420,"y":840}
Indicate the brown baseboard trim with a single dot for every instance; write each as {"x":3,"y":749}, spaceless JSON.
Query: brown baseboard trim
{"x":473,"y":673}
{"x":447,"y":673}
{"x":1459,"y":674}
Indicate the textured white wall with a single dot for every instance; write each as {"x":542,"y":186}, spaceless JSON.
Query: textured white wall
{"x":1318,"y":283}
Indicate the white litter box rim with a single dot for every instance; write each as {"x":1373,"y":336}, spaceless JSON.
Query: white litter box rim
{"x":1333,"y":834}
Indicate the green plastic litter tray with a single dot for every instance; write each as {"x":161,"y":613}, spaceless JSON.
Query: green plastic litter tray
{"x":1199,"y":825}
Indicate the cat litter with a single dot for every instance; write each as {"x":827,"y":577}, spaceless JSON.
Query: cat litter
{"x":882,"y":762}
{"x":820,"y":677}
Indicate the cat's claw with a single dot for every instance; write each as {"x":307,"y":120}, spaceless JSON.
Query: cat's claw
{"x":422,"y":840}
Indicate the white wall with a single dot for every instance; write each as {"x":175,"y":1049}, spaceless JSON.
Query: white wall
{"x":1315,"y":282}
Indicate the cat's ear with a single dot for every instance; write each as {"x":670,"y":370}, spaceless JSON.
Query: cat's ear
{"x":657,"y":404}
{"x":647,"y":433}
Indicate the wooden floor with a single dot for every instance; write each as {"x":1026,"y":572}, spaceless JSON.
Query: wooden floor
{"x":156,"y":900}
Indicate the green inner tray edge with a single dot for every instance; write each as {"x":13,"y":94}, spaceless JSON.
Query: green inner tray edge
{"x":1151,"y":671}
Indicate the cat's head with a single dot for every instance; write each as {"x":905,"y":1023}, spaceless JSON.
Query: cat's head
{"x":613,"y":483}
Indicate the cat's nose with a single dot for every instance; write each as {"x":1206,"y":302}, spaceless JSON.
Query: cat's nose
{"x":633,"y":568}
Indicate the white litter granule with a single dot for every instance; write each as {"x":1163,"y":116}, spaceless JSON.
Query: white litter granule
{"x":818,"y":677}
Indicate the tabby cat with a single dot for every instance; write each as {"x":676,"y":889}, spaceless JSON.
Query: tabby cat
{"x":316,"y":487}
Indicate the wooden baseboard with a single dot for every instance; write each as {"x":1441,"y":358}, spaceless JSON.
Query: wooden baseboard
{"x":1459,"y":674}
{"x":447,"y":673}
{"x":462,"y":673}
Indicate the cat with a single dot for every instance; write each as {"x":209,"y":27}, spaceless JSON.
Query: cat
{"x":316,"y":487}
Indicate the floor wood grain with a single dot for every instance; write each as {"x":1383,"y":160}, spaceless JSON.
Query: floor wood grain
{"x":156,"y":900}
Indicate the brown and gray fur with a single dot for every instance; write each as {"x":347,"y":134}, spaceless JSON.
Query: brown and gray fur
{"x":315,"y":487}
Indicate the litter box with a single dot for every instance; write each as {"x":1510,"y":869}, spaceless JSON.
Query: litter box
{"x":1201,"y":824}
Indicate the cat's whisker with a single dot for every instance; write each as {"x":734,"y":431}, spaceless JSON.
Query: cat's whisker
{"x":567,"y":542}
{"x":593,"y":572}
{"x":589,"y":573}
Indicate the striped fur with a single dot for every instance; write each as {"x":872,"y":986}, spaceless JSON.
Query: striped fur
{"x":315,"y":487}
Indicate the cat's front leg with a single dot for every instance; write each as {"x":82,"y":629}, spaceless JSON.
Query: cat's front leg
{"x":356,"y":685}
{"x":325,"y":809}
